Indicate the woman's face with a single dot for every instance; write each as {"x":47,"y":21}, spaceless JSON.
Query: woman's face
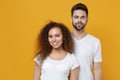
{"x":55,"y":37}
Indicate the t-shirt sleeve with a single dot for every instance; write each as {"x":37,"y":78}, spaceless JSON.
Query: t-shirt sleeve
{"x":98,"y":54}
{"x":75,"y":63}
{"x":37,"y":60}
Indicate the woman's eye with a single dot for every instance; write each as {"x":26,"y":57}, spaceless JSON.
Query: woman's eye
{"x":57,"y":35}
{"x":50,"y":36}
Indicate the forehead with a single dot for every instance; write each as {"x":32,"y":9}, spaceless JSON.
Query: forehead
{"x":55,"y":30}
{"x":79,"y":12}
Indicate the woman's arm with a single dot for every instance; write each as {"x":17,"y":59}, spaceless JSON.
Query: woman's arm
{"x":37,"y":72}
{"x":74,"y":74}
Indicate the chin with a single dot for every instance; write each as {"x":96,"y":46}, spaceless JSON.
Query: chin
{"x":56,"y":47}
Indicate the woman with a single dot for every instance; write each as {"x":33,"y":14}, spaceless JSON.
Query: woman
{"x":55,"y":59}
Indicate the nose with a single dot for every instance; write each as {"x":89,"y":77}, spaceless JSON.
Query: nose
{"x":79,"y":20}
{"x":53,"y":39}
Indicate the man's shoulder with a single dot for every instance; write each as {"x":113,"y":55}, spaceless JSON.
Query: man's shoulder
{"x":93,"y":38}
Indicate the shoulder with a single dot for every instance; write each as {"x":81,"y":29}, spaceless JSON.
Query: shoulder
{"x":37,"y":59}
{"x":93,"y":39}
{"x":71,"y":55}
{"x":73,"y":61}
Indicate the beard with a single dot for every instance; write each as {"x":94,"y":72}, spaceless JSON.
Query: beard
{"x":79,"y":26}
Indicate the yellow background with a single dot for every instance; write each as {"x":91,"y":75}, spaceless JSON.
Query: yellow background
{"x":21,"y":20}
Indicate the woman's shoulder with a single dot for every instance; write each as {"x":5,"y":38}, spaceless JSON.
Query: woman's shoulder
{"x":37,"y":59}
{"x":72,"y":55}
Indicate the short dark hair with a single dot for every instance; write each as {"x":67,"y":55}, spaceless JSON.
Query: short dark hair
{"x":79,"y":6}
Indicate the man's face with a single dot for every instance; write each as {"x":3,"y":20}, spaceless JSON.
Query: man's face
{"x":79,"y":19}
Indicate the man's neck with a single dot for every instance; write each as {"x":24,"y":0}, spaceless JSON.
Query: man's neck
{"x":79,"y":34}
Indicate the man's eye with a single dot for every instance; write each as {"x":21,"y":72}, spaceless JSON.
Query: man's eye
{"x":75,"y":16}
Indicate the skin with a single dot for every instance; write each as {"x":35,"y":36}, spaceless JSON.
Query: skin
{"x":79,"y":21}
{"x":55,"y":39}
{"x":37,"y":72}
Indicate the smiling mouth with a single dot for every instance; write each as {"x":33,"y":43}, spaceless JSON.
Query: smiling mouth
{"x":54,"y":44}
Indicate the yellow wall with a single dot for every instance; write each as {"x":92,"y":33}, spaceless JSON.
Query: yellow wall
{"x":21,"y":20}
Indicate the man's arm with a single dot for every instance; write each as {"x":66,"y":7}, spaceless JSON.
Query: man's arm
{"x":97,"y":71}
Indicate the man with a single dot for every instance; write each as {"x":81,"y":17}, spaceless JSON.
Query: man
{"x":87,"y":47}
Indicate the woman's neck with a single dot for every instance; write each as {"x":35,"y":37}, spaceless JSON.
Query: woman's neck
{"x":60,"y":50}
{"x":57,"y":54}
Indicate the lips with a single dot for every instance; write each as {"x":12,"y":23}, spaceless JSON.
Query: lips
{"x":54,"y":43}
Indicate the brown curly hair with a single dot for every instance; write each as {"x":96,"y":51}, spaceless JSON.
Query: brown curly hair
{"x":43,"y":46}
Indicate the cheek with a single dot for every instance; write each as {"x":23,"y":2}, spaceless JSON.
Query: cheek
{"x":72,"y":20}
{"x":60,"y":39}
{"x":84,"y":21}
{"x":75,"y":21}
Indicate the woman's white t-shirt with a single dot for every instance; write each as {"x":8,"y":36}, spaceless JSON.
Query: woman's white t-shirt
{"x":57,"y":69}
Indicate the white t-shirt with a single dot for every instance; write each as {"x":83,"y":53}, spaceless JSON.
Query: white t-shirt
{"x":87,"y":51}
{"x":57,"y":70}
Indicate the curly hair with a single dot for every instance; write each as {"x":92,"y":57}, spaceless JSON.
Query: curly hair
{"x":43,"y":46}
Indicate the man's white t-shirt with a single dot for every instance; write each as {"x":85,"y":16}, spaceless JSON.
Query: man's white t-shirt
{"x":57,"y":70}
{"x":87,"y":51}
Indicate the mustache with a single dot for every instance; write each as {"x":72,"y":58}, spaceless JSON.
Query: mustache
{"x":79,"y":23}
